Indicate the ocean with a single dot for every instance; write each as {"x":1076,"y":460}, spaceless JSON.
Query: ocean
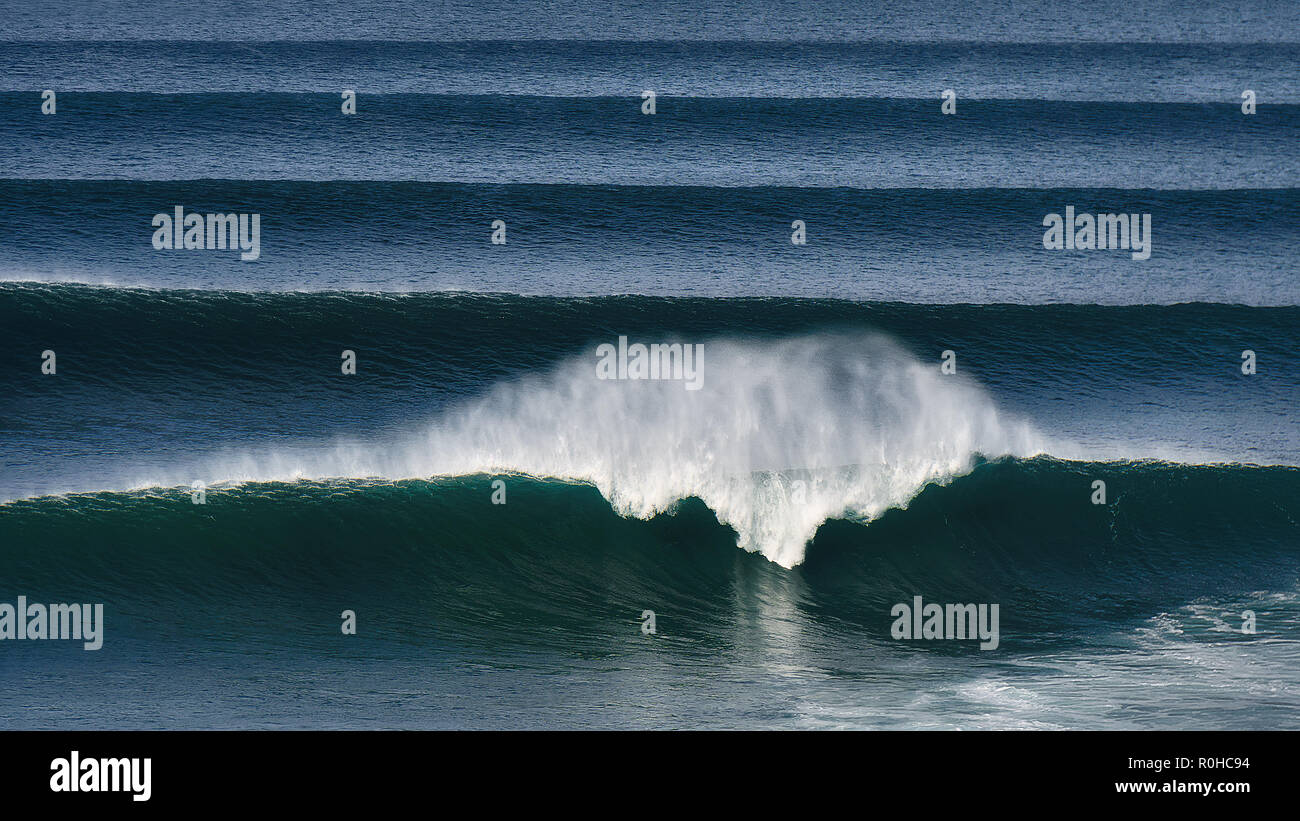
{"x":375,"y":477}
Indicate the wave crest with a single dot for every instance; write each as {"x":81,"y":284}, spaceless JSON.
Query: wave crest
{"x":784,"y":435}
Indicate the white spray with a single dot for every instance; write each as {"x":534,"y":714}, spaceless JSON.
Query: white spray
{"x":783,"y":436}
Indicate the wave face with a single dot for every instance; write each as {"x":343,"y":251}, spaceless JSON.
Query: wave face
{"x":547,"y":591}
{"x":997,"y":514}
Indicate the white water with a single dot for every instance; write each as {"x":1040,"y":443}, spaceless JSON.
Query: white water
{"x":782,"y":436}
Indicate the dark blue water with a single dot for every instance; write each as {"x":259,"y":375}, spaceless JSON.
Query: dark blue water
{"x":825,"y":470}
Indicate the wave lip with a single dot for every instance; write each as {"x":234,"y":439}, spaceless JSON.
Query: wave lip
{"x":785,"y":435}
